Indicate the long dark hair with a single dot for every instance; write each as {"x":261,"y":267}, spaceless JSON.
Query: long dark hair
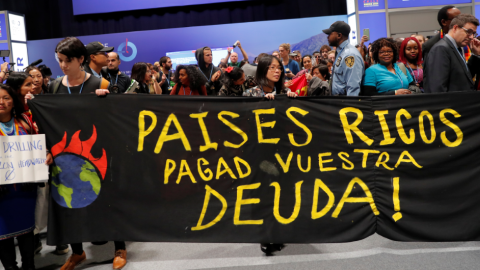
{"x":138,"y":71}
{"x":18,"y":108}
{"x":195,"y":79}
{"x":323,"y":69}
{"x":262,"y":70}
{"x":229,"y":77}
{"x":16,"y":80}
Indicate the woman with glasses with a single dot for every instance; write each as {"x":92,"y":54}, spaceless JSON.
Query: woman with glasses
{"x":270,"y":78}
{"x":386,"y":77}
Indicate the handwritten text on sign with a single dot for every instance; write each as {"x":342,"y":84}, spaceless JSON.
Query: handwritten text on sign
{"x":22,"y":159}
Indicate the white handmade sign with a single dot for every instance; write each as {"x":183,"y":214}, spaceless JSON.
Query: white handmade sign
{"x":22,"y":159}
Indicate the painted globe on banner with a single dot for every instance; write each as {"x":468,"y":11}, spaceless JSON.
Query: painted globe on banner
{"x":75,"y":181}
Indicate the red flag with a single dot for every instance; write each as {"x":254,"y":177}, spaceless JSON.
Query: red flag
{"x":300,"y":86}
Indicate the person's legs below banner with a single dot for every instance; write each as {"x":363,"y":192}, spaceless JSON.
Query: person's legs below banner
{"x":41,"y":215}
{"x":78,"y":256}
{"x":8,"y":254}
{"x":41,"y":219}
{"x":120,"y":259}
{"x":26,"y":245}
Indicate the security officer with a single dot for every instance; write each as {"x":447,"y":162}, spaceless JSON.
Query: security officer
{"x":348,"y":68}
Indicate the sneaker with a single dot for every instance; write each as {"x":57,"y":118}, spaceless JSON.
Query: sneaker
{"x":38,"y":244}
{"x":61,"y":250}
{"x":73,"y":261}
{"x":120,"y":259}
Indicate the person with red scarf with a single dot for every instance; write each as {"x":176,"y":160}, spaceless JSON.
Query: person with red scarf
{"x":411,"y":56}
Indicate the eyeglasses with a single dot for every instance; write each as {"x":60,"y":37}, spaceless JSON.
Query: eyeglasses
{"x":274,"y":68}
{"x":470,"y":32}
{"x":385,"y":52}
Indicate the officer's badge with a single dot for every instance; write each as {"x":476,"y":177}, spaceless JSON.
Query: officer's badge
{"x":350,"y":61}
{"x":339,"y":60}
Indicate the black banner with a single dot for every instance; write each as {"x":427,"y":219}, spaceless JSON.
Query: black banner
{"x":304,"y":170}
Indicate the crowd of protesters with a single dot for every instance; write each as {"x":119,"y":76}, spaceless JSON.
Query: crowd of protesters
{"x":447,"y":62}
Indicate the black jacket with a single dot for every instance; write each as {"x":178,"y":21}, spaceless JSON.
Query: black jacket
{"x":123,"y":81}
{"x":212,"y":87}
{"x":166,"y":84}
{"x":446,"y":71}
{"x":427,"y":46}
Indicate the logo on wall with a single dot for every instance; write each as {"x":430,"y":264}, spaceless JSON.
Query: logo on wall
{"x":19,"y":62}
{"x":370,"y":3}
{"x":127,"y":51}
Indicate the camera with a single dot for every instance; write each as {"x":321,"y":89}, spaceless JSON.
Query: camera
{"x":114,"y":88}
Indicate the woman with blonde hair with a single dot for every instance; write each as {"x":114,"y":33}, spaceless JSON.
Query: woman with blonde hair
{"x":290,"y":66}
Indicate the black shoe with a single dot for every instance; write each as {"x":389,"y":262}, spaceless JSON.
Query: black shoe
{"x":12,"y":268}
{"x":61,"y":250}
{"x":38,"y":244}
{"x":269,"y":248}
{"x":99,"y":243}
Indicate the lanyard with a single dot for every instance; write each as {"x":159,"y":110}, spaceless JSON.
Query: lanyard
{"x":413,"y":73}
{"x":116,"y":80}
{"x":81,"y":88}
{"x":399,"y":77}
{"x":210,"y":73}
{"x":184,"y":91}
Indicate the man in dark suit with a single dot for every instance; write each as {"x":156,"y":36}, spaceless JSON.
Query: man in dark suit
{"x":444,"y":18}
{"x":446,"y":69}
